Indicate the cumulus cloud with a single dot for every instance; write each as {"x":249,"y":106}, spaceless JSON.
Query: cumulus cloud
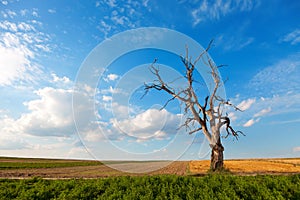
{"x":150,"y":124}
{"x":111,"y":77}
{"x":61,"y":82}
{"x":50,"y":114}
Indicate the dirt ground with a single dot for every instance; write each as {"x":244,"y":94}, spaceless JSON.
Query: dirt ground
{"x":239,"y":167}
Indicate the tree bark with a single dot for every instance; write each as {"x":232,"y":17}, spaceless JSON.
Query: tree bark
{"x":216,"y":162}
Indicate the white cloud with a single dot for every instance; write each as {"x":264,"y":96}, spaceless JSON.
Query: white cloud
{"x":93,"y":135}
{"x":121,"y":16}
{"x":10,"y":142}
{"x":120,"y":20}
{"x":14,"y":59}
{"x":23,"y":12}
{"x":35,"y":13}
{"x":52,"y":11}
{"x":10,"y":137}
{"x":11,"y":14}
{"x":119,"y":111}
{"x":26,"y":27}
{"x":280,"y":78}
{"x":150,"y":124}
{"x":279,"y":88}
{"x":105,"y":28}
{"x":51,"y":114}
{"x":6,"y":25}
{"x":280,"y":108}
{"x":296,"y":149}
{"x":4,"y":2}
{"x":145,"y":3}
{"x":232,"y":116}
{"x":112,"y":90}
{"x":293,"y":37}
{"x":111,"y":77}
{"x":111,"y":3}
{"x":211,"y":10}
{"x":263,"y":112}
{"x":20,"y":44}
{"x":106,"y":98}
{"x":233,"y":42}
{"x":251,"y":122}
{"x":246,"y":104}
{"x":62,"y":81}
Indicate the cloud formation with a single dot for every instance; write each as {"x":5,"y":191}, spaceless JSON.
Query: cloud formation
{"x":278,"y":79}
{"x":296,"y":149}
{"x":246,"y":104}
{"x":263,"y":112}
{"x":251,"y":122}
{"x":214,"y":10}
{"x":50,"y":114}
{"x":293,"y":37}
{"x":20,"y":45}
{"x":150,"y":124}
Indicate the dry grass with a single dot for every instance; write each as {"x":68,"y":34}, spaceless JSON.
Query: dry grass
{"x":251,"y":166}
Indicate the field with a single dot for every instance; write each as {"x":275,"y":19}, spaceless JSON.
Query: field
{"x":252,"y":166}
{"x":75,"y":179}
{"x":155,"y":187}
{"x":47,"y":168}
{"x":55,"y":169}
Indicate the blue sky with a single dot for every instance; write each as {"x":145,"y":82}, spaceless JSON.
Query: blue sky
{"x":44,"y":45}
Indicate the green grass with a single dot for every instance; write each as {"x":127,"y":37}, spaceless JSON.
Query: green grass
{"x":156,"y":187}
{"x":29,"y":163}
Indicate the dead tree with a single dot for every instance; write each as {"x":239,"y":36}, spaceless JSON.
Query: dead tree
{"x":207,"y":117}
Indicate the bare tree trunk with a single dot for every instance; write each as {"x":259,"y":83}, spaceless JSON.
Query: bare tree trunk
{"x":216,"y":160}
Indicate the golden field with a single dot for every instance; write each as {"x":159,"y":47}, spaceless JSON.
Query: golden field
{"x":251,"y":166}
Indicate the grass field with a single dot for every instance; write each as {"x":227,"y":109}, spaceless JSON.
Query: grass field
{"x":53,"y":168}
{"x":76,"y":179}
{"x":166,"y":187}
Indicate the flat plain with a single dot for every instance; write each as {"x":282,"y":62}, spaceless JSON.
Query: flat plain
{"x":17,"y":168}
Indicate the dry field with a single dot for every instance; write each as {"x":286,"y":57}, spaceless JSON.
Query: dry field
{"x":89,"y":171}
{"x":46,"y":168}
{"x":252,"y":166}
